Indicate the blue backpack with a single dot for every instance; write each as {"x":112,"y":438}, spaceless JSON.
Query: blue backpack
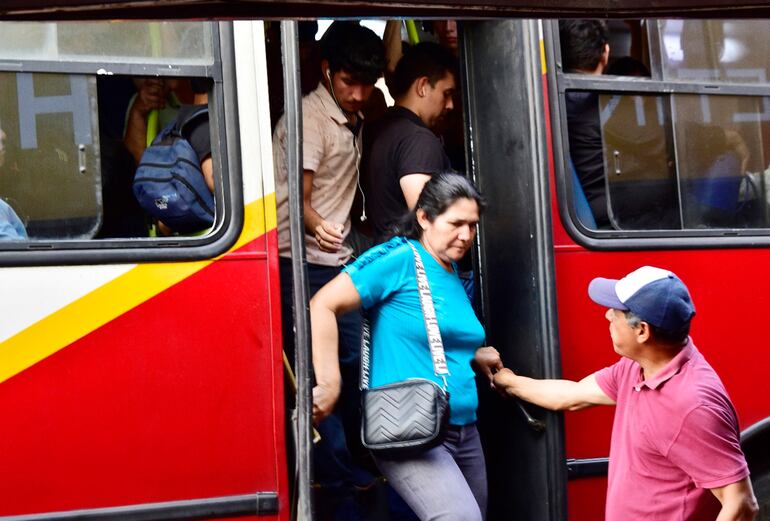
{"x":169,"y":184}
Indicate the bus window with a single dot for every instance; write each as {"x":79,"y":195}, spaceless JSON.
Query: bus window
{"x":50,"y":174}
{"x":177,"y":43}
{"x":715,"y":50}
{"x":73,"y":95}
{"x":653,"y":154}
{"x":640,"y":184}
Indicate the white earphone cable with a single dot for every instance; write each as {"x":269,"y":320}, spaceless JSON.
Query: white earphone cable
{"x":355,"y":147}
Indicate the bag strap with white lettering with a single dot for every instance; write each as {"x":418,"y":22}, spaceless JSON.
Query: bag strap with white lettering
{"x":431,"y":327}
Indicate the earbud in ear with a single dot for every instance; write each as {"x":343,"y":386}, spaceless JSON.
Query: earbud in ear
{"x":328,"y":75}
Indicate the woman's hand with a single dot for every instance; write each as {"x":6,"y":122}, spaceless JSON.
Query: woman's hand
{"x":324,"y":399}
{"x":488,"y":360}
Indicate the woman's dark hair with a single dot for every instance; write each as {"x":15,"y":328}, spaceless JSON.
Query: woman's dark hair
{"x":439,"y":193}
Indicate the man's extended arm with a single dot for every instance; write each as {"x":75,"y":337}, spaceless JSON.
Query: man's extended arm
{"x":738,"y":501}
{"x":557,"y":395}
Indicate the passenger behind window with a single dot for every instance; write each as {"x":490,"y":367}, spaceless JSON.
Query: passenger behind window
{"x":717,"y":159}
{"x":11,"y":227}
{"x":180,"y":202}
{"x":125,"y":108}
{"x":155,"y":98}
{"x":585,"y":50}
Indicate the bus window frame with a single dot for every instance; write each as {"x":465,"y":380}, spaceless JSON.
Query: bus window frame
{"x":225,"y":147}
{"x":559,"y":82}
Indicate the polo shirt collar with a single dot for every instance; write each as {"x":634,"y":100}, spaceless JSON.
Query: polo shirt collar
{"x":672,"y":368}
{"x":330,"y":106}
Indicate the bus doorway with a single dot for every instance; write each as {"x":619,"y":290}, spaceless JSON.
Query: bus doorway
{"x":503,"y":93}
{"x":503,"y":120}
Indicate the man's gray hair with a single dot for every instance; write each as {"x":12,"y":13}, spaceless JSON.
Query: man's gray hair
{"x":674,"y":338}
{"x":633,"y":319}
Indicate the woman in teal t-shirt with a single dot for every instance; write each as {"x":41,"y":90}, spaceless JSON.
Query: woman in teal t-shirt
{"x":449,"y":480}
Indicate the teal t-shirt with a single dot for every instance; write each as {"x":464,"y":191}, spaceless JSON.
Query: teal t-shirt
{"x":386,"y":280}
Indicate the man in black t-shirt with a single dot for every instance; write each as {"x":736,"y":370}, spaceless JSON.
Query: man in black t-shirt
{"x":585,"y":50}
{"x":401,"y":151}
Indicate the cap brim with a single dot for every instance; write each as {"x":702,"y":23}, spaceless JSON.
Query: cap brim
{"x":602,"y":291}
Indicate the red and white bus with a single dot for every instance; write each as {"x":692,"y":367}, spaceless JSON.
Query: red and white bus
{"x":141,"y":377}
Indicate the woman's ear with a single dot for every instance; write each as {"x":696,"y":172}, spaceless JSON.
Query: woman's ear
{"x":422,"y":218}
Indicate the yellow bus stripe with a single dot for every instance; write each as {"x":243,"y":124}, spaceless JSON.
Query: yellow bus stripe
{"x":114,"y":298}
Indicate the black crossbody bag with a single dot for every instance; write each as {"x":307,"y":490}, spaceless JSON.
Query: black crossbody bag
{"x":411,"y":415}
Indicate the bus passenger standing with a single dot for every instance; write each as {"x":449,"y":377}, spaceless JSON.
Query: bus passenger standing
{"x":352,"y":59}
{"x":401,"y":149}
{"x":675,"y":452}
{"x":448,"y":481}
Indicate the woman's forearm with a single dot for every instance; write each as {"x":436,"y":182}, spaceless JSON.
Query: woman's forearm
{"x":323,"y":323}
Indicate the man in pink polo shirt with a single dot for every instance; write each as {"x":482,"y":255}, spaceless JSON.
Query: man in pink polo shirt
{"x":675,"y":452}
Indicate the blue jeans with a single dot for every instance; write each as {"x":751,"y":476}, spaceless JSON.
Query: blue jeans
{"x":447,"y":482}
{"x":334,"y":468}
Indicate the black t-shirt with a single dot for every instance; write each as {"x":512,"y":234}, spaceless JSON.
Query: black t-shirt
{"x":398,"y":144}
{"x":586,"y":150}
{"x":197,"y":131}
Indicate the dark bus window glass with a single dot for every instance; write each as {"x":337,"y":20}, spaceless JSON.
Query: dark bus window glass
{"x":629,"y":51}
{"x":669,"y":157}
{"x":721,"y":156}
{"x":50,"y":169}
{"x":680,"y":161}
{"x":640,"y":178}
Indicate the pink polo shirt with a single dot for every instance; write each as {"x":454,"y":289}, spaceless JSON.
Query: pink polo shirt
{"x":673,"y":438}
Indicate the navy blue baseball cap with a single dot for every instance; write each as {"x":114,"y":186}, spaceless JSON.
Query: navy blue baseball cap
{"x":655,"y":295}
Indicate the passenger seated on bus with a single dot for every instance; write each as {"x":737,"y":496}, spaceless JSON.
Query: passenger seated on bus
{"x":401,"y":151}
{"x":585,"y":50}
{"x":11,"y":227}
{"x":352,"y":60}
{"x":715,"y":161}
